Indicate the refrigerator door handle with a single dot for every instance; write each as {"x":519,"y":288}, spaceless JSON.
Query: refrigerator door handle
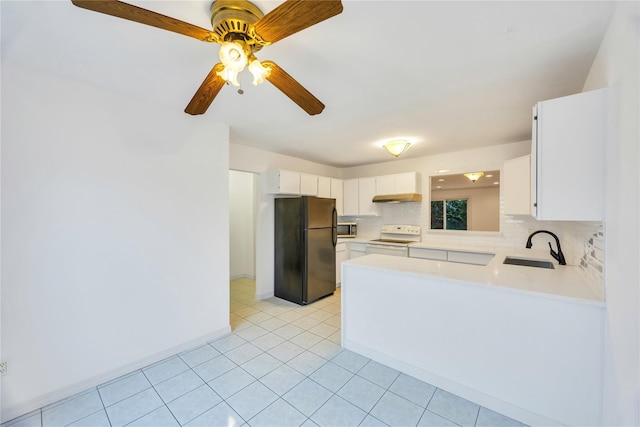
{"x":334,"y":227}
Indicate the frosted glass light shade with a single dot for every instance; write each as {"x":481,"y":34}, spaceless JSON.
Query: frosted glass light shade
{"x":229,"y":76}
{"x":259,"y":71}
{"x":234,"y":58}
{"x":474,"y":176}
{"x":395,"y":148}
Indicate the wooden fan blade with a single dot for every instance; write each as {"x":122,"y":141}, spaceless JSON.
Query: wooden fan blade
{"x":206,"y":92}
{"x":294,"y":90}
{"x":293,"y":16}
{"x":137,"y":14}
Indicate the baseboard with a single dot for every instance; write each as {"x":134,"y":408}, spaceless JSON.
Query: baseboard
{"x":482,"y":399}
{"x":82,"y":386}
{"x":266,"y":295}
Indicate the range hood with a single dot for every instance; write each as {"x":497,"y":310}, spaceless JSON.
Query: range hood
{"x":398,"y":198}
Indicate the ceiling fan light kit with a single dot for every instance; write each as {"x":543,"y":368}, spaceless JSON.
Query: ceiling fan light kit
{"x":241,"y":29}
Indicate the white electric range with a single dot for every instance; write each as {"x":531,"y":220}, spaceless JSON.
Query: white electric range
{"x":395,"y":240}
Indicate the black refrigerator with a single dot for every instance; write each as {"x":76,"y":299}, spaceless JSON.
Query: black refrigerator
{"x":305,"y":248}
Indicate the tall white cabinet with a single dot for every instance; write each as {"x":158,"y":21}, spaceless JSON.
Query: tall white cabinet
{"x":567,"y":157}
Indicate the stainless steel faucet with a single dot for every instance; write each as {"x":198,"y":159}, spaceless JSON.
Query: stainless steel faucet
{"x":558,"y":256}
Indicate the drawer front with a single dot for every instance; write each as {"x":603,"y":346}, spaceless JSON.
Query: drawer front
{"x":476,"y":258}
{"x":425,"y":253}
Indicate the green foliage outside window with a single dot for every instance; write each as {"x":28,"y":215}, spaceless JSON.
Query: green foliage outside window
{"x":455,"y":212}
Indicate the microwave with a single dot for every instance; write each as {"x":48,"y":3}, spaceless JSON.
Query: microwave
{"x":347,"y":229}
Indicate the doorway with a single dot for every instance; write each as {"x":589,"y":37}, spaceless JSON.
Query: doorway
{"x":242,"y":224}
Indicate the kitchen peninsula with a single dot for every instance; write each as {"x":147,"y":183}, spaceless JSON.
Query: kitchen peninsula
{"x":523,"y":341}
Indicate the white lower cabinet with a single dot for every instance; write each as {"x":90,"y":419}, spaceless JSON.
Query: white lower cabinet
{"x":428,"y":253}
{"x":356,"y":250}
{"x":476,"y":258}
{"x":464,"y":257}
{"x":341,"y":255}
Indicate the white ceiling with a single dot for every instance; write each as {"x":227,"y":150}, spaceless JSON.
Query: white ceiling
{"x":448,"y":76}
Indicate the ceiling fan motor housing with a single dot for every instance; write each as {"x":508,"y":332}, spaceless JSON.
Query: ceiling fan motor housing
{"x":231,"y":20}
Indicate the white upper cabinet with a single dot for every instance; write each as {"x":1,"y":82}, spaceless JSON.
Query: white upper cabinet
{"x":350,"y":205}
{"x":337,"y":193}
{"x":408,"y":182}
{"x":366,"y":192}
{"x":283,"y":182}
{"x":567,"y":157}
{"x":358,"y":196}
{"x":386,"y":184}
{"x":308,"y":184}
{"x":516,"y":186}
{"x":286,"y":182}
{"x":401,"y":183}
{"x":324,"y":186}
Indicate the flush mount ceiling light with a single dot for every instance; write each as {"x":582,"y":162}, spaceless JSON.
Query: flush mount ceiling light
{"x":474,"y":176}
{"x":397,"y":147}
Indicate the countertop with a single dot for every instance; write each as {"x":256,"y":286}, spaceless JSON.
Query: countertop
{"x":563,"y":282}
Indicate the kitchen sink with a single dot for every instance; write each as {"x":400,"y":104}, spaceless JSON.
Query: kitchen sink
{"x":539,"y":263}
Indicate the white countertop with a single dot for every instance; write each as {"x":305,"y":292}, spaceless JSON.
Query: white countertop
{"x":563,"y":282}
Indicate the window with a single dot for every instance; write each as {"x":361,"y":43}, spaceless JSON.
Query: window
{"x":449,"y":214}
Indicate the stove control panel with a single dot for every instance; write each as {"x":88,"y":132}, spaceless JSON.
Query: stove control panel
{"x":401,"y":229}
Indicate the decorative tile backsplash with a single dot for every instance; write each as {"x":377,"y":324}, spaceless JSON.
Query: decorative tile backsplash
{"x":582,"y":242}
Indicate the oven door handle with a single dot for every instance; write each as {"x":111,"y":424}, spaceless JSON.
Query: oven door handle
{"x":377,"y":245}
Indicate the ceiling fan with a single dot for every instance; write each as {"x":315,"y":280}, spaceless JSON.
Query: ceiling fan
{"x":241,"y":29}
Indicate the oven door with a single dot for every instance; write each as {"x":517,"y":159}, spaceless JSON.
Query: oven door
{"x":395,"y":250}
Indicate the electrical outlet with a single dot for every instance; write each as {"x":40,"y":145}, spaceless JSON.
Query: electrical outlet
{"x":3,"y":367}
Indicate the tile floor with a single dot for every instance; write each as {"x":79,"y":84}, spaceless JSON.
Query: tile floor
{"x":281,"y":366}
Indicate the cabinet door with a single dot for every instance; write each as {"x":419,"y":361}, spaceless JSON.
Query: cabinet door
{"x":568,"y":157}
{"x":324,"y":186}
{"x":516,"y":186}
{"x":283,"y":182}
{"x":428,"y":253}
{"x":337,"y":193}
{"x":407,"y":183}
{"x":476,"y":258}
{"x":356,"y":250}
{"x":385,"y":185}
{"x":308,"y":184}
{"x":341,"y":255}
{"x":350,"y":204}
{"x":366,"y":192}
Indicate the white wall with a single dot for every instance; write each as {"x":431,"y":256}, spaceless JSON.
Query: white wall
{"x":114,"y":235}
{"x":486,"y":158}
{"x":242,"y":244}
{"x":616,"y":66}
